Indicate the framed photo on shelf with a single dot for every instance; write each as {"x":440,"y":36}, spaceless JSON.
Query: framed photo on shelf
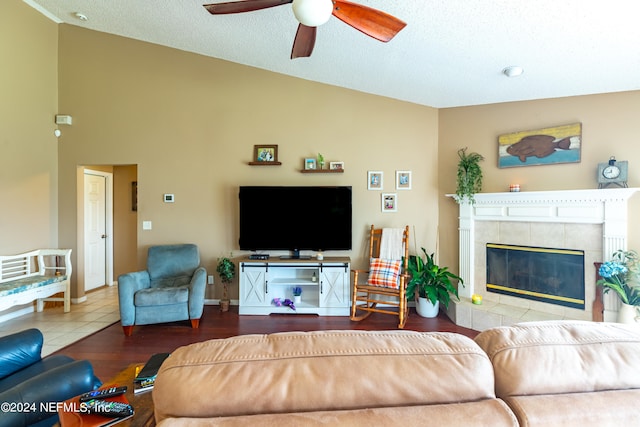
{"x":265,"y":153}
{"x":374,"y":180}
{"x":310,"y":164}
{"x":389,"y":202}
{"x":336,"y":166}
{"x":403,"y":180}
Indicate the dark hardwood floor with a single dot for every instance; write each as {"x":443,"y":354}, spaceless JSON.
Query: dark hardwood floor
{"x":110,"y":351}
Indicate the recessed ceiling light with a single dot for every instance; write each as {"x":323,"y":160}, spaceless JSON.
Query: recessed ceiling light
{"x":513,"y":71}
{"x":81,"y":16}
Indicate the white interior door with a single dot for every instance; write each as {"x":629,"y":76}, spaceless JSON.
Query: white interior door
{"x":95,"y":231}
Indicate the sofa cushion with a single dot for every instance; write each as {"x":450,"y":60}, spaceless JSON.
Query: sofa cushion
{"x":612,"y":408}
{"x":563,"y":357}
{"x":161,"y":296}
{"x":56,"y":384}
{"x":35,"y":369}
{"x":19,"y":350}
{"x":486,"y":413}
{"x":170,"y":282}
{"x":319,"y":371}
{"x":172,"y":260}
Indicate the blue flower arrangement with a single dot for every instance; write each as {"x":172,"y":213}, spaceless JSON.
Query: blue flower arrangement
{"x":621,"y":276}
{"x":297,"y":291}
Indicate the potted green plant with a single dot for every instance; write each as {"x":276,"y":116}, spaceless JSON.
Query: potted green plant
{"x":621,"y":275}
{"x":226,"y":269}
{"x":469,"y":177}
{"x":432,"y":282}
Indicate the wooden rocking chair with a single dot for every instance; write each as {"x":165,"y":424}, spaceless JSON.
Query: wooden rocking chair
{"x":386,"y":282}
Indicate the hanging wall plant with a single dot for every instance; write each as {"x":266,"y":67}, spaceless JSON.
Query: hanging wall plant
{"x":469,"y":178}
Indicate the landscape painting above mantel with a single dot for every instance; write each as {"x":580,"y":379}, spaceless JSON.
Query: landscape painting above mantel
{"x":560,"y":144}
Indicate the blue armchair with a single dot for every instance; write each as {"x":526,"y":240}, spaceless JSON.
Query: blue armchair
{"x":171,"y":289}
{"x":31,"y":386}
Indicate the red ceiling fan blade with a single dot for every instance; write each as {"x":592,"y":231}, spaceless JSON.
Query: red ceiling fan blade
{"x":304,"y":42}
{"x":372,"y":22}
{"x":242,"y":6}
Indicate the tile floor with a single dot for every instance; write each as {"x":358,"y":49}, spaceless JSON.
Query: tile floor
{"x":61,"y":329}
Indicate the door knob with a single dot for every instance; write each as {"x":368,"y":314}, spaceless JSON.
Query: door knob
{"x":104,"y":236}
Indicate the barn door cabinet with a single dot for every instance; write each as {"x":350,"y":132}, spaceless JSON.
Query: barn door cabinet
{"x":325,"y":286}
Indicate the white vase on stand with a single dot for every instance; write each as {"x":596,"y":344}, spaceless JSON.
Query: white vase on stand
{"x":425,"y":308}
{"x":629,"y":314}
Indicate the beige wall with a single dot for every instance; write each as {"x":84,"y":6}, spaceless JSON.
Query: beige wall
{"x":28,"y":148}
{"x":190,"y":122}
{"x":610,"y":127}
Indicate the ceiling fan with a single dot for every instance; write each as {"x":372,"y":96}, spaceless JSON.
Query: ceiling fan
{"x":313,"y":13}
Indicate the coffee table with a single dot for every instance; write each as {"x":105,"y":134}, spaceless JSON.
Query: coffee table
{"x":142,"y":403}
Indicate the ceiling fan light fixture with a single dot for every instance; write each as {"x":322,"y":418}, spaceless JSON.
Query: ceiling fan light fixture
{"x":81,"y":16}
{"x":312,"y":13}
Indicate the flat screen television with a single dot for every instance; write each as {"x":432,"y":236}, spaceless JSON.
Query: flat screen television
{"x":295,"y":218}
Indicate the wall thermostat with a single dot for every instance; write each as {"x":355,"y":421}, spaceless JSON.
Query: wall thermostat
{"x":168,"y":198}
{"x":62,"y":119}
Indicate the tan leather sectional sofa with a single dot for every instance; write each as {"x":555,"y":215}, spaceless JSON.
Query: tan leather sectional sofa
{"x":532,"y":374}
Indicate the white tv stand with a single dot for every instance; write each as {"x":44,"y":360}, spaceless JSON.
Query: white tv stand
{"x":261,"y":281}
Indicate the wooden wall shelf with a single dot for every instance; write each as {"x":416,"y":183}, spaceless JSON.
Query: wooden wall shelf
{"x":265,"y":163}
{"x":322,"y":171}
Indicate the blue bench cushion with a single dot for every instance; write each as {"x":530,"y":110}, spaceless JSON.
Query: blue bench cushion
{"x":26,"y":283}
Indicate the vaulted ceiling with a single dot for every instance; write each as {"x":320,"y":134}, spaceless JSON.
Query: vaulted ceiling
{"x":451,"y":53}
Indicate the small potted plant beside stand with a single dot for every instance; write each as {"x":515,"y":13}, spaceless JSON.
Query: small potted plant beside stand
{"x":226,"y":269}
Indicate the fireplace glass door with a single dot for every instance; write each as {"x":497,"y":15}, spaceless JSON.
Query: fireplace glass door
{"x":554,"y":276}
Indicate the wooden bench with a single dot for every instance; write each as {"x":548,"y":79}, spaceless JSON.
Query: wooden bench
{"x":35,"y":276}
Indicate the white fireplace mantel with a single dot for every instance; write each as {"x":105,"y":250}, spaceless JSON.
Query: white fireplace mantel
{"x":598,"y":206}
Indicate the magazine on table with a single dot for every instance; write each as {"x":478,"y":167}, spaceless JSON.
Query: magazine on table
{"x":146,"y":378}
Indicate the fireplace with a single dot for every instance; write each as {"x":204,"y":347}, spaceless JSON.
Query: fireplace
{"x":554,"y":276}
{"x":591,"y":221}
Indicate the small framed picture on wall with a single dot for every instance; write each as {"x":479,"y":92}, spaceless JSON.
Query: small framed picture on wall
{"x":310,"y":164}
{"x":265,"y":153}
{"x":389,"y":202}
{"x":403,"y":180}
{"x":374,"y":180}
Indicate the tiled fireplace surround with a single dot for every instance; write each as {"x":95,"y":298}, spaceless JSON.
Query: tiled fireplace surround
{"x":594,"y":221}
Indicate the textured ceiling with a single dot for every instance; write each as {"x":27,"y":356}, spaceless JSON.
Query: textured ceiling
{"x":451,"y":53}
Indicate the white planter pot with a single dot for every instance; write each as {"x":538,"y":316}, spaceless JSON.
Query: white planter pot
{"x":297,"y":299}
{"x":628,"y":314}
{"x":426,"y":309}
